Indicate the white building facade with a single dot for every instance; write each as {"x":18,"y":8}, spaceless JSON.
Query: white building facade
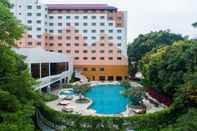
{"x":95,"y":35}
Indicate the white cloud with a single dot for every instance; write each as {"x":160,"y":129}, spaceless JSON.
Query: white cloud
{"x":151,"y":15}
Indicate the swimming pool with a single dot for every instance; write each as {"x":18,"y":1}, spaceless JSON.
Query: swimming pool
{"x":107,"y":99}
{"x":64,"y":93}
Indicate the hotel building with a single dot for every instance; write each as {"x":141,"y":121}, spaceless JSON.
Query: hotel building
{"x":95,"y":35}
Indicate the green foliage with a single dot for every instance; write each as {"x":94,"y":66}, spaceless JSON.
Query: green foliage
{"x":153,"y":121}
{"x":166,"y":68}
{"x":11,"y":29}
{"x":194,"y":24}
{"x":147,"y":42}
{"x":47,"y":97}
{"x":126,"y":84}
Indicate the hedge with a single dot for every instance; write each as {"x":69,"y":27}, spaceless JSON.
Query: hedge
{"x":151,"y":121}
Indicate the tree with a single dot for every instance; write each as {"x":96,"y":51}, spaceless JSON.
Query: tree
{"x":145,"y":43}
{"x":81,"y":89}
{"x":165,"y":68}
{"x":16,"y":94}
{"x":194,"y":24}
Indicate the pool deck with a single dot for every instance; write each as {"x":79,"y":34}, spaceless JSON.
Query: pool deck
{"x":83,"y":109}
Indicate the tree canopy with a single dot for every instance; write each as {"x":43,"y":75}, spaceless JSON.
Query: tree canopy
{"x":168,"y":67}
{"x":145,"y":43}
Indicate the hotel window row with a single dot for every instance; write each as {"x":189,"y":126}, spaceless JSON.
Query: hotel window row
{"x":101,"y":58}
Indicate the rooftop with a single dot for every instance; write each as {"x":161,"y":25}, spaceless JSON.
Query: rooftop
{"x":80,"y":7}
{"x":37,"y":55}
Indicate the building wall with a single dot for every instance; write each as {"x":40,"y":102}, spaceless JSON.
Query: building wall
{"x":93,"y":39}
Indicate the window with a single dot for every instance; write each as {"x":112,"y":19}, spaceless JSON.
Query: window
{"x":119,"y":31}
{"x":76,"y":44}
{"x":38,"y":29}
{"x":93,"y":31}
{"x":67,"y":44}
{"x":68,"y":37}
{"x":68,"y":31}
{"x":39,"y":36}
{"x":93,"y":37}
{"x":119,"y":37}
{"x":68,"y":51}
{"x":38,"y":7}
{"x":93,"y":69}
{"x":38,"y":43}
{"x":110,"y":18}
{"x":102,"y":58}
{"x":51,"y":44}
{"x":93,"y":24}
{"x":102,"y":78}
{"x":102,"y":51}
{"x":102,"y":17}
{"x":119,"y":51}
{"x":85,"y":31}
{"x":93,"y":51}
{"x":102,"y":24}
{"x":59,"y":24}
{"x":85,"y":37}
{"x":29,"y":21}
{"x":110,"y":44}
{"x":77,"y":51}
{"x":119,"y":18}
{"x":59,"y":44}
{"x":85,"y":58}
{"x":50,"y":17}
{"x":102,"y":31}
{"x":38,"y":21}
{"x":119,"y":58}
{"x":29,"y":14}
{"x":93,"y":58}
{"x":85,"y":17}
{"x":110,"y":51}
{"x":85,"y":44}
{"x":59,"y":17}
{"x":110,"y":31}
{"x":59,"y":31}
{"x":110,"y":58}
{"x":93,"y":44}
{"x":59,"y":37}
{"x":76,"y":31}
{"x":60,"y":51}
{"x":67,"y":17}
{"x":102,"y":37}
{"x":51,"y":31}
{"x":29,"y":28}
{"x":119,"y":44}
{"x":67,"y":24}
{"x":85,"y":51}
{"x":93,"y":17}
{"x":51,"y":38}
{"x":118,"y":78}
{"x":110,"y":37}
{"x":85,"y":24}
{"x":29,"y":43}
{"x":85,"y":69}
{"x":76,"y":17}
{"x":110,"y":24}
{"x":50,"y":24}
{"x":76,"y":58}
{"x":76,"y":37}
{"x":38,"y":14}
{"x":110,"y":78}
{"x":76,"y":24}
{"x":29,"y":36}
{"x":102,"y":44}
{"x":29,"y":7}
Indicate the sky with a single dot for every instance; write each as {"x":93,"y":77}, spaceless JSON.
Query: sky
{"x":151,"y":15}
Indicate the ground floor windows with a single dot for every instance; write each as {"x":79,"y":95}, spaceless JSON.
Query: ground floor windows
{"x":110,"y":78}
{"x":118,"y":78}
{"x":102,"y":78}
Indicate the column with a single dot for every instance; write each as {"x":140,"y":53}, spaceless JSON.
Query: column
{"x":40,"y":70}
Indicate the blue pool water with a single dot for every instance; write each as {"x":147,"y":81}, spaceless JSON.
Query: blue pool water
{"x":107,"y":99}
{"x":67,"y":93}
